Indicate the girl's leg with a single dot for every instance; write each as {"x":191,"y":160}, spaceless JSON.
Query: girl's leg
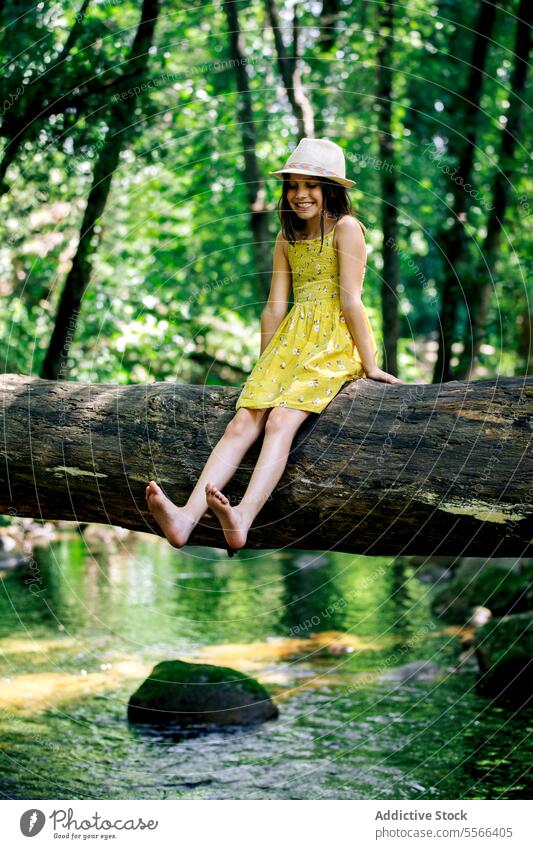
{"x":280,"y":429}
{"x":178,"y":522}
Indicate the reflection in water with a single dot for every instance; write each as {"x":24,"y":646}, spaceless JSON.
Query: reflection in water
{"x":319,"y":629}
{"x":400,"y":600}
{"x":311,"y":600}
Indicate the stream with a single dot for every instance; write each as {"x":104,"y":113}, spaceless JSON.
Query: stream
{"x":323,"y":632}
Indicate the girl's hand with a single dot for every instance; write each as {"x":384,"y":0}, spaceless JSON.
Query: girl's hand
{"x":378,"y":374}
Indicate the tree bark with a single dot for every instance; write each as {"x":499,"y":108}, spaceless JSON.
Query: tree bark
{"x":253,"y":177}
{"x":479,"y":295}
{"x":384,"y":470}
{"x":452,"y":241}
{"x":389,"y":194}
{"x":120,"y":128}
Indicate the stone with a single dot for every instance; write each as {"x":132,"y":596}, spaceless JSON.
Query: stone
{"x":417,"y":670}
{"x":193,"y":694}
{"x":480,"y":616}
{"x":504,"y":651}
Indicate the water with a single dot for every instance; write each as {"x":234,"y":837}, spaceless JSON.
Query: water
{"x":319,"y":630}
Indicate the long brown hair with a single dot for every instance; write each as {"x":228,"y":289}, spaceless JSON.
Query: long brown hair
{"x":335,"y":203}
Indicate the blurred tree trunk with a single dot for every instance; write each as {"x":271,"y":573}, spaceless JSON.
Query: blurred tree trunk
{"x":480,"y":292}
{"x":328,"y":25}
{"x":525,"y":340}
{"x":253,"y":176}
{"x":290,"y":72}
{"x":389,"y":193}
{"x":452,"y":241}
{"x":120,"y":129}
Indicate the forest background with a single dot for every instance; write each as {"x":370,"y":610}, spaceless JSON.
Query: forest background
{"x":138,"y":218}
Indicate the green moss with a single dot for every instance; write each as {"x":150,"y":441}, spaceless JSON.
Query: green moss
{"x":195,"y":693}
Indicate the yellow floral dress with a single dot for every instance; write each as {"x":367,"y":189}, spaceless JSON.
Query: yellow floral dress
{"x":312,"y":354}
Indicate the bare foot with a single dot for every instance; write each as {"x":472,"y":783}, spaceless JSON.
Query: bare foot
{"x":232,"y":521}
{"x":175,"y":523}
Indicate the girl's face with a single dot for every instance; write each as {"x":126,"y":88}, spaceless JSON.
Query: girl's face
{"x":304,"y":196}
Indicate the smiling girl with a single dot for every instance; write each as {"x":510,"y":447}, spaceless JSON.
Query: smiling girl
{"x":307,"y":353}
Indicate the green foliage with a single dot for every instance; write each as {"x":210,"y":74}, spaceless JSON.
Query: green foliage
{"x":173,"y":271}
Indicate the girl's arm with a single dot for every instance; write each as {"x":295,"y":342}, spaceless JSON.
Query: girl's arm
{"x":275,"y":309}
{"x":351,"y":249}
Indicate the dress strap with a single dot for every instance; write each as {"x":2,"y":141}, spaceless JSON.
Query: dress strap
{"x":333,"y":228}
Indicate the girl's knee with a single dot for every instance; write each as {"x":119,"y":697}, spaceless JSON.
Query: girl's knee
{"x":283,"y":420}
{"x":245,"y":422}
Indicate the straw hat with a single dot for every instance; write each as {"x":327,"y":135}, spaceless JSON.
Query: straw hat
{"x":319,"y":157}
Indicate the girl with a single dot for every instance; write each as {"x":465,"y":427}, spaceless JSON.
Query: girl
{"x":307,"y":354}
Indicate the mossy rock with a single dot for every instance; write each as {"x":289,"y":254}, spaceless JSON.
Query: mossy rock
{"x":501,"y":590}
{"x":193,"y":694}
{"x":504,"y":651}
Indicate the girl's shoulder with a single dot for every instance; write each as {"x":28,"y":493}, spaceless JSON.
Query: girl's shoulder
{"x":282,"y":241}
{"x":348,"y":225}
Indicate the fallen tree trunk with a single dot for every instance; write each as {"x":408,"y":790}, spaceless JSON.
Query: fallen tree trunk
{"x":386,"y":469}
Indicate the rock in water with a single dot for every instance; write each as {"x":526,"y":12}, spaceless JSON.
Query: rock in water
{"x":504,"y":650}
{"x":199,"y":694}
{"x":418,"y":670}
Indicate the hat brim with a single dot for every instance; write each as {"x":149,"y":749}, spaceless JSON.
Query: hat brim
{"x":341,"y":180}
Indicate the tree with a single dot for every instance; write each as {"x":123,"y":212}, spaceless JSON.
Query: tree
{"x":451,"y":241}
{"x":120,"y":127}
{"x":252,"y":172}
{"x":420,"y":469}
{"x":290,"y":72}
{"x":480,"y":290}
{"x":389,"y":193}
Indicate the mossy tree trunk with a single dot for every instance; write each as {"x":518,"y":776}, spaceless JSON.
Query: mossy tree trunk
{"x":385,"y":469}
